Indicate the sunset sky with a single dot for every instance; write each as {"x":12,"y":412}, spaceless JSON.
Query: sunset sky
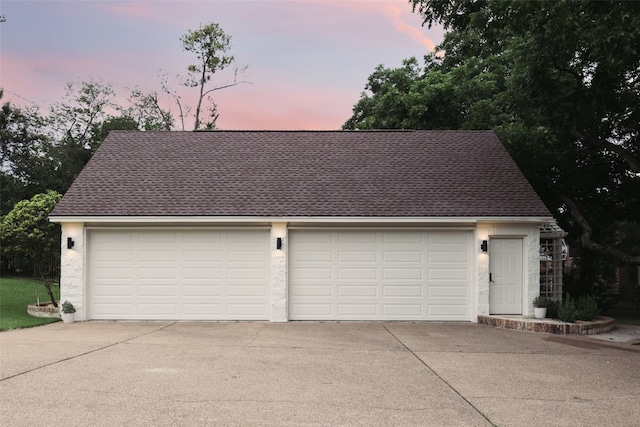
{"x":308,"y":60}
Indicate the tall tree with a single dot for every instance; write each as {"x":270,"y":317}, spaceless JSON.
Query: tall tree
{"x":559,"y":81}
{"x":20,"y":131}
{"x":210,"y":46}
{"x":27,"y":234}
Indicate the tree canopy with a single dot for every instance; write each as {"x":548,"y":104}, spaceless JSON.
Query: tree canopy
{"x":559,"y":81}
{"x":27,"y":234}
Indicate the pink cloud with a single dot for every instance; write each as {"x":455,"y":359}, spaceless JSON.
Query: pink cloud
{"x":396,"y":15}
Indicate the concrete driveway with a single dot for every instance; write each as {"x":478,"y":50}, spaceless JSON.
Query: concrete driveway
{"x":294,"y":374}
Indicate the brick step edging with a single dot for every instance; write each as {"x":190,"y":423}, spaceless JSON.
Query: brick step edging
{"x":599,"y":325}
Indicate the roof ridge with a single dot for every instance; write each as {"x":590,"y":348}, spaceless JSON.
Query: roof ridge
{"x":214,"y":131}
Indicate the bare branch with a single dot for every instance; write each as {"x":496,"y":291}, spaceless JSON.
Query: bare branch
{"x":586,"y":239}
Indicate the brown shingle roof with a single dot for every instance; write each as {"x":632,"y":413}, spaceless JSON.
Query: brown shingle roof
{"x":301,"y":173}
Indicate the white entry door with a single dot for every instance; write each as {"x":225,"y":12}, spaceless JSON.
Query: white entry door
{"x":505,"y":268}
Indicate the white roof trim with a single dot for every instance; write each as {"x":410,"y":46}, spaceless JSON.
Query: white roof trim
{"x":296,"y":219}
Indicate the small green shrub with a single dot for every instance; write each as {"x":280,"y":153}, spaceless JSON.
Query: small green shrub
{"x":568,"y":311}
{"x":587,"y":308}
{"x":541,"y":301}
{"x":67,"y":307}
{"x":552,"y":309}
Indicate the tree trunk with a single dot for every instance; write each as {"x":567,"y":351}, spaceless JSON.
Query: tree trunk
{"x":586,"y":240}
{"x":47,"y":285}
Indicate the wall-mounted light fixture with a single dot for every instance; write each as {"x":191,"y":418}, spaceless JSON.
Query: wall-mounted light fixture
{"x":484,"y":246}
{"x":279,"y":243}
{"x":70,"y":243}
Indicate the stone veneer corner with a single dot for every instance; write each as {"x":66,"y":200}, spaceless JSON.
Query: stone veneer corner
{"x":279,"y":288}
{"x":72,"y":267}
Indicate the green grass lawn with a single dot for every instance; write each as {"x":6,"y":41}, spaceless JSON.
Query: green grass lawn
{"x":628,"y":321}
{"x":15,"y":295}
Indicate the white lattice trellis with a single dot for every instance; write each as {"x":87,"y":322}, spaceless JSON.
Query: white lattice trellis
{"x":551,"y":261}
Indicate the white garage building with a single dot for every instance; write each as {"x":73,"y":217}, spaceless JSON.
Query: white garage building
{"x":300,"y":225}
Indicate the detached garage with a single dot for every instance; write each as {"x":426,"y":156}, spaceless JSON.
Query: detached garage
{"x":300,"y":225}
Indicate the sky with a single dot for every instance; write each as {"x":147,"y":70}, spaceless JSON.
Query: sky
{"x":307,"y":60}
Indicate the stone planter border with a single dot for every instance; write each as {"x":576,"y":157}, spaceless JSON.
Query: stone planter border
{"x":43,"y":310}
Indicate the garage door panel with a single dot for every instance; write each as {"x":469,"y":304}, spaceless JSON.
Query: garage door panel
{"x":191,"y":274}
{"x":113,"y":310}
{"x":447,"y":274}
{"x":112,"y":273}
{"x":152,"y":239}
{"x":402,"y":291}
{"x":460,"y":291}
{"x":115,"y":256}
{"x":357,"y":291}
{"x":402,"y":311}
{"x":247,"y":273}
{"x":201,"y":291}
{"x":449,"y":312}
{"x":157,"y":290}
{"x":157,"y":273}
{"x":448,"y":257}
{"x":380,"y":274}
{"x":157,"y":256}
{"x":246,"y":237}
{"x":246,"y":291}
{"x":403,"y":274}
{"x":359,"y":257}
{"x":316,"y":311}
{"x":201,"y":310}
{"x":311,"y":256}
{"x":246,"y":311}
{"x":403,"y":238}
{"x":178,"y":274}
{"x":115,"y":290}
{"x":349,"y":238}
{"x":247,"y":256}
{"x":113,"y":240}
{"x":168,"y":310}
{"x":358,"y":311}
{"x":447,"y":238}
{"x":313,"y":273}
{"x":312,"y":291}
{"x":403,"y":256}
{"x":357,"y":273}
{"x":201,"y":256}
{"x":199,"y":238}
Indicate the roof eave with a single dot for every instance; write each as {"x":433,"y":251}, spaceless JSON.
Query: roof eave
{"x":297,"y":219}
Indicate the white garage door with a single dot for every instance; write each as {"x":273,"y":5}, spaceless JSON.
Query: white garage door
{"x":380,"y":275}
{"x":178,"y":274}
